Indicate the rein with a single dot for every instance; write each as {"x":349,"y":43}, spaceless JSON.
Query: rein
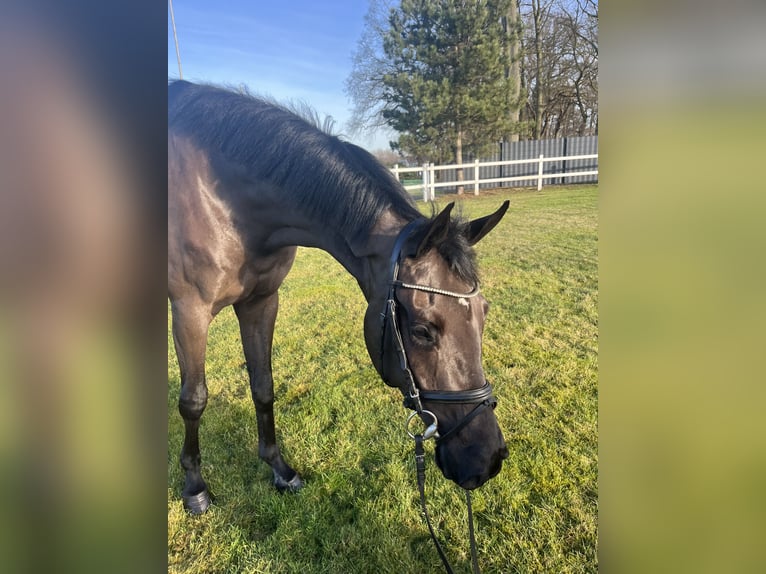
{"x":414,"y":397}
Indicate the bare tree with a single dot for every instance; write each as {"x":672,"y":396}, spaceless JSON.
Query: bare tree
{"x":387,"y":157}
{"x":540,"y":17}
{"x":513,"y":32}
{"x":560,"y":67}
{"x":370,"y":64}
{"x":584,"y":26}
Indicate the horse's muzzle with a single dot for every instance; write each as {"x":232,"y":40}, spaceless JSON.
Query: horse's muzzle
{"x":471,"y":476}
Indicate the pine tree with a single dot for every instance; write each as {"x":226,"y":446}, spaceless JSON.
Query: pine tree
{"x":448,"y":91}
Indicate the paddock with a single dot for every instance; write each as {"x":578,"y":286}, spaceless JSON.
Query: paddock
{"x":358,"y":511}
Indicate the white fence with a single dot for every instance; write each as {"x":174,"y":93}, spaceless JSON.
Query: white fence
{"x":429,"y":184}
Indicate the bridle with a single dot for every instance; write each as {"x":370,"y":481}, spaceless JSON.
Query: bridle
{"x":414,"y":397}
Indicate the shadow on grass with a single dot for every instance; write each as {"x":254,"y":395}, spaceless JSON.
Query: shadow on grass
{"x":358,"y":511}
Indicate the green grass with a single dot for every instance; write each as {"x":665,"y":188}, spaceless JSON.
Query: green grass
{"x":343,"y":429}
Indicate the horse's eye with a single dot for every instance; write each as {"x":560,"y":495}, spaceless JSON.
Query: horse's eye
{"x":422,"y":334}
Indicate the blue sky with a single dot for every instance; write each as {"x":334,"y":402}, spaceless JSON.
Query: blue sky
{"x":288,"y":49}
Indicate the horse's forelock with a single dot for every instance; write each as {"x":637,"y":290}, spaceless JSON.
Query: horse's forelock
{"x":454,"y":248}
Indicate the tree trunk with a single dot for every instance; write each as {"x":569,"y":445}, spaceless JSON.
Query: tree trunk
{"x":459,"y":159}
{"x":513,"y":68}
{"x":537,"y":13}
{"x":513,"y":74}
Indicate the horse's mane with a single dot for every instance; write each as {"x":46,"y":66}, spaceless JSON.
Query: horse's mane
{"x":330,"y":180}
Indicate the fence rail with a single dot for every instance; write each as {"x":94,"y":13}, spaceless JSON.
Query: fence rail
{"x":515,"y":164}
{"x":428,"y":171}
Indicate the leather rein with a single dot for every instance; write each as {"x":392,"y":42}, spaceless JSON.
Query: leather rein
{"x":414,"y":397}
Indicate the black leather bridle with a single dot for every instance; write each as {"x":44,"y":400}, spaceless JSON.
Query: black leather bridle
{"x":414,"y":397}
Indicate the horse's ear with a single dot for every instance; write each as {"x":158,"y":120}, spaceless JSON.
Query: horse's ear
{"x":437,"y":230}
{"x":478,"y":228}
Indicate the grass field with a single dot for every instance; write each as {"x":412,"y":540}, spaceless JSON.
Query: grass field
{"x":343,"y":429}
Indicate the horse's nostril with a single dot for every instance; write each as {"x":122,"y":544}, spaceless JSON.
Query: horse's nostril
{"x":504,"y":453}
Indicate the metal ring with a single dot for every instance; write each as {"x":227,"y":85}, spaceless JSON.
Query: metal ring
{"x":431,"y":430}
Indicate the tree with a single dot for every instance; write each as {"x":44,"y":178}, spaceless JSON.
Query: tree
{"x":370,"y":64}
{"x":560,"y":67}
{"x":438,"y":73}
{"x":453,"y":78}
{"x":581,"y":21}
{"x":513,"y":31}
{"x":387,"y":157}
{"x":448,"y":90}
{"x":540,"y":17}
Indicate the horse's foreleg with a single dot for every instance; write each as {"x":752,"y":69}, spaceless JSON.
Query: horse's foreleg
{"x":256,"y":324}
{"x":190,"y":326}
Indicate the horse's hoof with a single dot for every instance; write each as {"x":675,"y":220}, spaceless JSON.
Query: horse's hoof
{"x":197,"y":503}
{"x":292,"y":485}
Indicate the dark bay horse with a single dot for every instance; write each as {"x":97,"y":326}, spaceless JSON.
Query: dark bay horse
{"x":248,"y":181}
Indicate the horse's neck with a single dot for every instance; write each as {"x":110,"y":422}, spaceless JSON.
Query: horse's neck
{"x":367,"y":259}
{"x":375,"y":253}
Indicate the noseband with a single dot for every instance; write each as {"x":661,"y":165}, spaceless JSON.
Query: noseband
{"x":414,"y":397}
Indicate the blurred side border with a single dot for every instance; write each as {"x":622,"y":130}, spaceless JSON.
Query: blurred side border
{"x":682,"y":447}
{"x":82,"y":290}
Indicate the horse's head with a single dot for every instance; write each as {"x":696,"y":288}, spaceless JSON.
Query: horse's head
{"x":428,"y":343}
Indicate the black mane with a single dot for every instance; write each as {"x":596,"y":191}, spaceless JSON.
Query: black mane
{"x":331,"y":180}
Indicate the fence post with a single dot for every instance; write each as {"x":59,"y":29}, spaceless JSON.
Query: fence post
{"x":540,"y":174}
{"x":424,"y":178}
{"x":396,"y":170}
{"x":425,"y":182}
{"x":476,"y":177}
{"x":431,"y":181}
